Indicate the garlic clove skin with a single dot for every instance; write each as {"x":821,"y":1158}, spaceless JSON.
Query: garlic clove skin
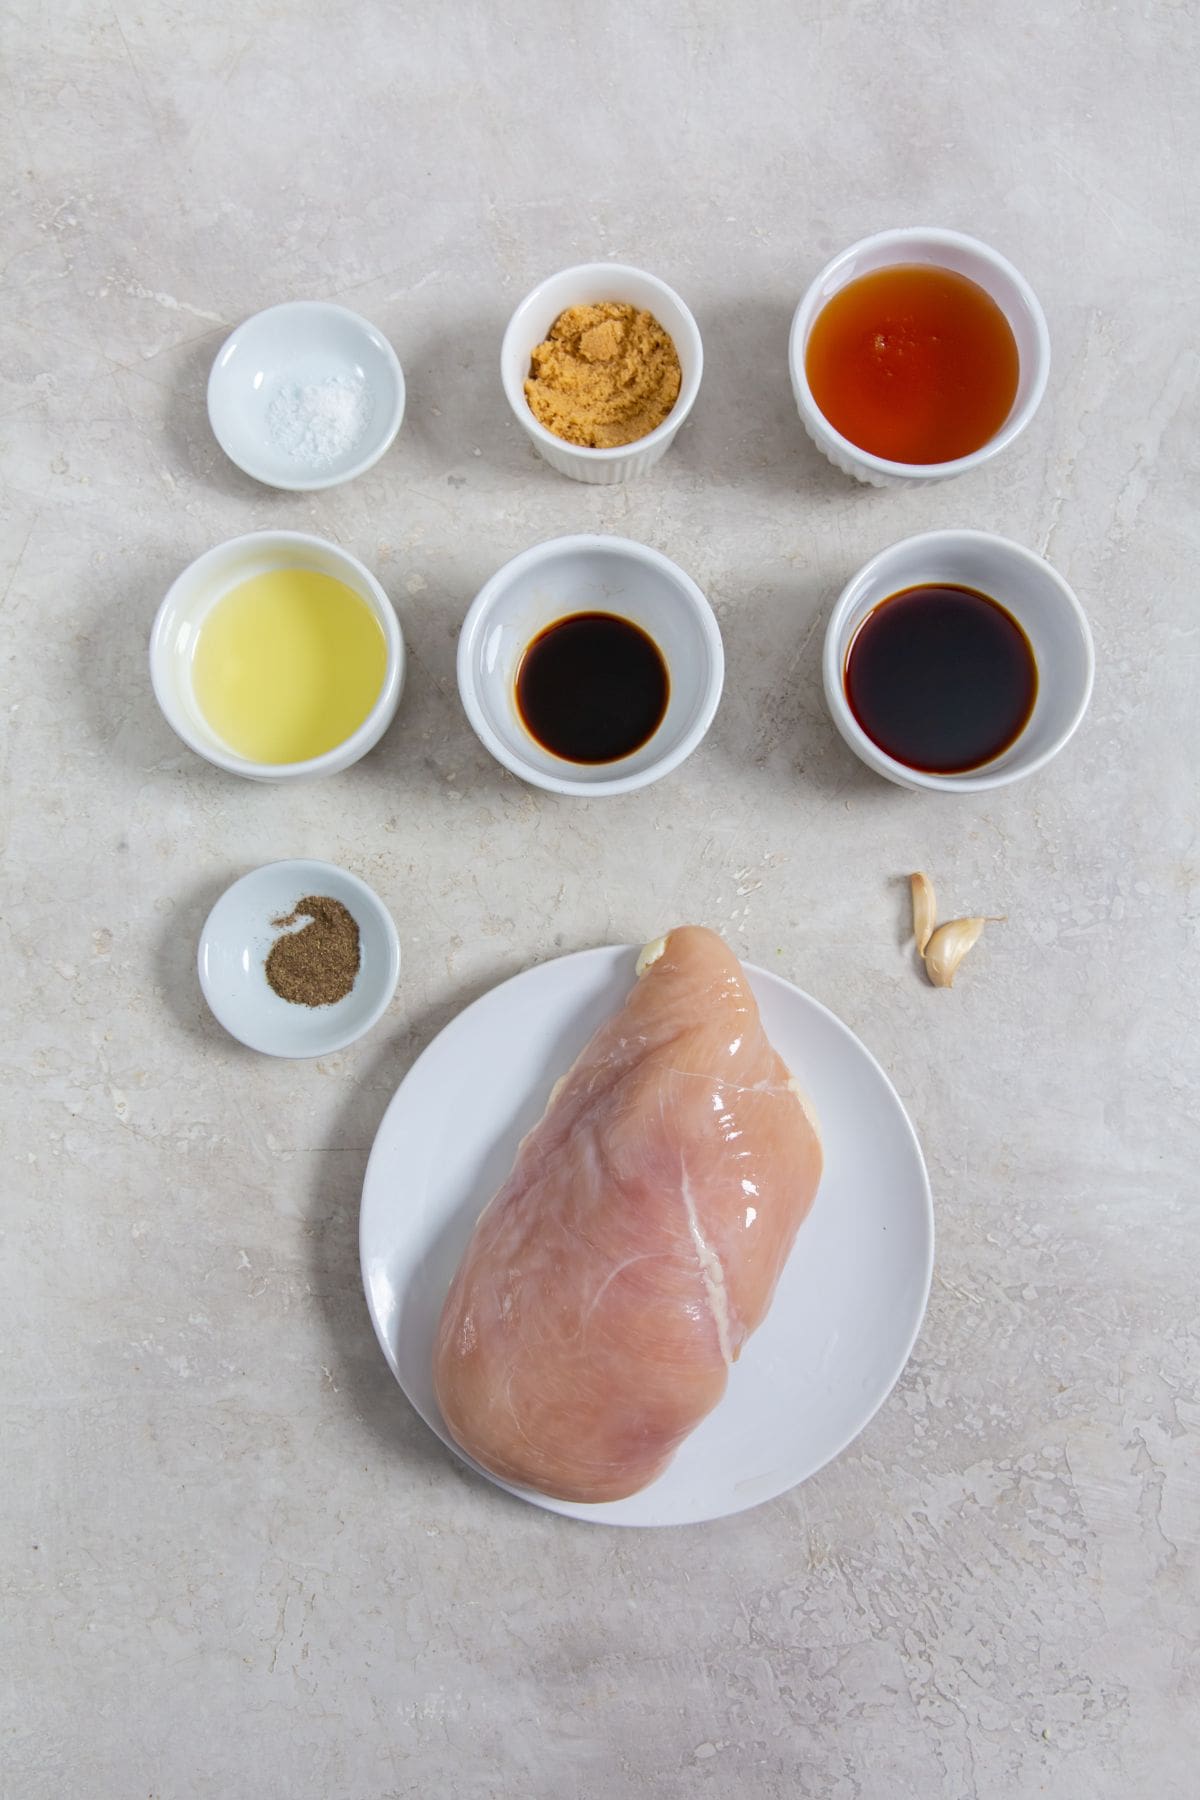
{"x":947,"y":947}
{"x":924,"y":908}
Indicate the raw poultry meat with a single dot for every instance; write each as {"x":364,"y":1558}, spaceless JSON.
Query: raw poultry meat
{"x":615,"y":1277}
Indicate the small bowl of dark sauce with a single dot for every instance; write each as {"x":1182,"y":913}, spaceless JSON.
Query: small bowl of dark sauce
{"x":958,"y":661}
{"x":592,"y":688}
{"x":590,"y":665}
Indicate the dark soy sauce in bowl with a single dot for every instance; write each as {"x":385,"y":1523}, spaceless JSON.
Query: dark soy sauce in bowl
{"x":592,"y":688}
{"x":941,"y":678}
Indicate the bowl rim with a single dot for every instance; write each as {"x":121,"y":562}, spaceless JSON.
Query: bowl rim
{"x":811,"y":304}
{"x":331,"y":761}
{"x":974,"y":781}
{"x":369,"y":898}
{"x":608,"y":544}
{"x":514,"y":391}
{"x":312,"y":483}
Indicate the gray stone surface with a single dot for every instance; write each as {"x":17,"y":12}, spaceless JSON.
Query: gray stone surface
{"x":234,"y":1563}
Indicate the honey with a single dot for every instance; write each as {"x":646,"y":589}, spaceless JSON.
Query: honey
{"x":915,"y":364}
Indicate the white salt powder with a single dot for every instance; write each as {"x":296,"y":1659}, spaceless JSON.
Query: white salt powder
{"x":317,"y":423}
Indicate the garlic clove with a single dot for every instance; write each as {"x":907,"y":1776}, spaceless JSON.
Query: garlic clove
{"x":924,"y":908}
{"x":947,"y":947}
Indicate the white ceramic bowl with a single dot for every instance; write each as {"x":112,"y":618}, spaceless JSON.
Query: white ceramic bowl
{"x":944,"y":250}
{"x":1037,"y":597}
{"x":302,"y":344}
{"x":587,"y":285}
{"x":207,"y":580}
{"x":237,"y":938}
{"x":589,"y":574}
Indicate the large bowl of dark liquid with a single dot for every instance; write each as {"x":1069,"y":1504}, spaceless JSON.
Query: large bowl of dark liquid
{"x":958,"y":661}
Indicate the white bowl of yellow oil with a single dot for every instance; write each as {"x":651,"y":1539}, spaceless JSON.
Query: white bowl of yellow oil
{"x":278,"y":656}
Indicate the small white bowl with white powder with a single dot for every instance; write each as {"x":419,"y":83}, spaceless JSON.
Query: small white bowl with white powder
{"x":305,"y":395}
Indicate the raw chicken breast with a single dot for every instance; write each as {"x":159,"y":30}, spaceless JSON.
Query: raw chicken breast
{"x":618,"y":1272}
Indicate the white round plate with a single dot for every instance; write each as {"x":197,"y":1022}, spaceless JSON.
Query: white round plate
{"x":237,"y":939}
{"x":849,"y":1303}
{"x":302,"y":343}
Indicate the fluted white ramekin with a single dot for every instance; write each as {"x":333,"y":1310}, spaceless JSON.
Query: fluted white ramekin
{"x":587,"y":285}
{"x":944,"y":250}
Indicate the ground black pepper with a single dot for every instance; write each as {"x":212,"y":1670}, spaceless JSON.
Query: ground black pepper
{"x":317,"y":965}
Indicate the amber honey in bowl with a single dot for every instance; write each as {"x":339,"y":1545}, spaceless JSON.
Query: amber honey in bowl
{"x":942,"y":678}
{"x":914,"y":363}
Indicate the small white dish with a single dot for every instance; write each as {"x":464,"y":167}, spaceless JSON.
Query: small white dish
{"x":849,"y":1303}
{"x":237,"y":938}
{"x":1037,"y":597}
{"x":193,"y":595}
{"x":944,"y":250}
{"x":587,"y":285}
{"x":589,"y":574}
{"x":301,"y":348}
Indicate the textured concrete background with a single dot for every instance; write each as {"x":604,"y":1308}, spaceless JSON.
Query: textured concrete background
{"x":234,"y":1563}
